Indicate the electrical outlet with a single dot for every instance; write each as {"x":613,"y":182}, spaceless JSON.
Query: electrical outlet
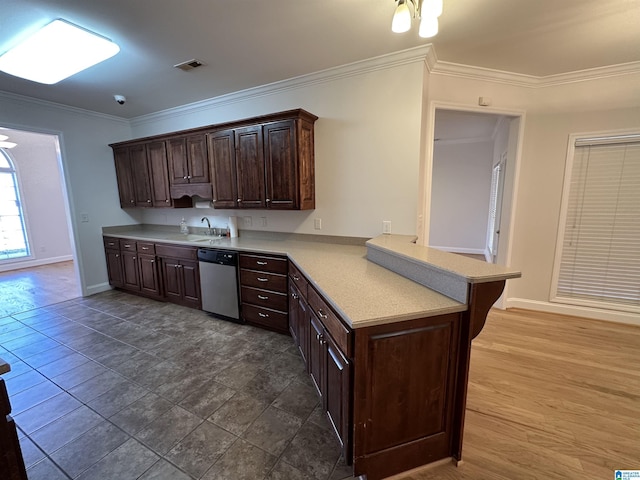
{"x":84,"y":217}
{"x":386,"y":226}
{"x":248,"y":221}
{"x":263,"y":221}
{"x":317,"y":223}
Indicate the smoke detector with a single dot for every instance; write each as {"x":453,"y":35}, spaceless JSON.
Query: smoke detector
{"x":189,"y":65}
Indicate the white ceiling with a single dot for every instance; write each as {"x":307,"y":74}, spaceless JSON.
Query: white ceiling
{"x":247,"y":43}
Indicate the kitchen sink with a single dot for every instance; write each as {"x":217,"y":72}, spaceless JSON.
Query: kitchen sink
{"x":192,"y":238}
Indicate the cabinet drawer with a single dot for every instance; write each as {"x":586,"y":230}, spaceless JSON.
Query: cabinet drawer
{"x":298,"y":279}
{"x":264,"y":264}
{"x":264,"y":298}
{"x":146,"y":247}
{"x":338,"y":330}
{"x":176,"y":251}
{"x":262,"y":280}
{"x":111,"y":243}
{"x":128,"y":245}
{"x":266,"y":317}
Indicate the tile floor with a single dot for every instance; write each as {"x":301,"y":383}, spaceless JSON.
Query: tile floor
{"x":115,"y":386}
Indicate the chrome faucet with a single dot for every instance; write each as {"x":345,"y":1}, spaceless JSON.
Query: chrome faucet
{"x":208,"y":232}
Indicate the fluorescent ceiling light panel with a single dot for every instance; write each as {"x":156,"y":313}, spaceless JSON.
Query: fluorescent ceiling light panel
{"x":55,"y":52}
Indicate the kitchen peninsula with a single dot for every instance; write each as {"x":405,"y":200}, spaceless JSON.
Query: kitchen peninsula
{"x":384,"y":327}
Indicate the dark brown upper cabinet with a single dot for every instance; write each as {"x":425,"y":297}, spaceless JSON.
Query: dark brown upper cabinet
{"x":142,"y":175}
{"x":265,"y":165}
{"x":261,"y":162}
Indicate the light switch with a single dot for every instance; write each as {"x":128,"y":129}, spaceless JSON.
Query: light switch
{"x":317,"y":223}
{"x":84,"y":217}
{"x":386,"y":226}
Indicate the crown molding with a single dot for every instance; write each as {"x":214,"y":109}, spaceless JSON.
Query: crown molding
{"x":8,"y":96}
{"x":531,"y":81}
{"x":404,"y":57}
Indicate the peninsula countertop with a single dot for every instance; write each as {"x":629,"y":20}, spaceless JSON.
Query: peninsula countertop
{"x":362,"y":292}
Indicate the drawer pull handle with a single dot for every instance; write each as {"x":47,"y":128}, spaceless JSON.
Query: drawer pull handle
{"x":261,"y":263}
{"x":111,"y":244}
{"x":295,"y":277}
{"x":321,"y":314}
{"x":127,"y":245}
{"x":263,"y":315}
{"x":263,"y":297}
{"x":145,"y":248}
{"x":319,"y":337}
{"x":260,"y":279}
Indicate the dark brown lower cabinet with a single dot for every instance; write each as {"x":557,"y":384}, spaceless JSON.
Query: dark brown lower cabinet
{"x":181,"y":282}
{"x":114,"y":267}
{"x":11,"y":461}
{"x":149,"y":275}
{"x":130,"y":270}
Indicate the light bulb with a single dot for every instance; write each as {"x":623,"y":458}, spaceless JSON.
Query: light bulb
{"x":401,"y":18}
{"x":428,"y":27}
{"x":432,"y":8}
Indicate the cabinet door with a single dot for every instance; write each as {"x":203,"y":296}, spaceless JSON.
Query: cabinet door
{"x":114,"y":267}
{"x":197,"y":158}
{"x":149,"y":281}
{"x":190,"y":280}
{"x":140,"y":175}
{"x":336,"y":395}
{"x":223,"y":169}
{"x":280,"y":162}
{"x":130,"y":276}
{"x":304,"y":319}
{"x":316,"y":353}
{"x":124,"y":177}
{"x":250,"y":167}
{"x":294,"y":298}
{"x":177,"y":159}
{"x":171,"y":279}
{"x":158,"y":174}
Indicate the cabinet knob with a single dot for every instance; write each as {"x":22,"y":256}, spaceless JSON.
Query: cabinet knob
{"x":167,"y":201}
{"x":319,"y":337}
{"x":117,"y":255}
{"x":184,"y":178}
{"x":295,"y":277}
{"x":149,"y":201}
{"x":294,"y":296}
{"x":188,"y":176}
{"x":213,"y":200}
{"x":153,"y":261}
{"x":239,"y":200}
{"x":268,"y":200}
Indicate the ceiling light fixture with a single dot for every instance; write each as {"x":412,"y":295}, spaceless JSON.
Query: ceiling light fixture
{"x":55,"y":52}
{"x":427,"y":11}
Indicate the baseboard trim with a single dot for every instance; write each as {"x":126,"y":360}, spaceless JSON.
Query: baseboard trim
{"x":33,"y":262}
{"x":98,"y":288}
{"x":572,"y":310}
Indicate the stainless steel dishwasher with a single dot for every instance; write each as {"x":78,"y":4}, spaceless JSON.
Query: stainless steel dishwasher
{"x":219,"y":283}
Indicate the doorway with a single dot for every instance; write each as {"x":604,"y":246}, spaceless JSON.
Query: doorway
{"x":471,"y":171}
{"x":41,"y":199}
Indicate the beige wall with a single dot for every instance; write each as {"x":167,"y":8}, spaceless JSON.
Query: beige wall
{"x":551,"y":113}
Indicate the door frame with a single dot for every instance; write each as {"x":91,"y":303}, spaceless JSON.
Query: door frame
{"x":426,"y":176}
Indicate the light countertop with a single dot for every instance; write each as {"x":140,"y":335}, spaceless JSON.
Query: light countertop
{"x":362,"y":292}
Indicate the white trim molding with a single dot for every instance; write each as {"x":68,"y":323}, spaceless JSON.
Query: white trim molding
{"x":572,"y":310}
{"x":20,"y":264}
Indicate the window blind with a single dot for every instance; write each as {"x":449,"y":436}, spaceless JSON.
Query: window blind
{"x":600,"y":251}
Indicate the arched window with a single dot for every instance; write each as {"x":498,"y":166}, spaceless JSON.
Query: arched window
{"x":13,"y":236}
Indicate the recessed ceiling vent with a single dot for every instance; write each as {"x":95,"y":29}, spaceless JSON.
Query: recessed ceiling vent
{"x":189,"y":65}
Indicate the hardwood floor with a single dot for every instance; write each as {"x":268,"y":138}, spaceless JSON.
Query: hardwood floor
{"x":36,"y":287}
{"x":550,"y":397}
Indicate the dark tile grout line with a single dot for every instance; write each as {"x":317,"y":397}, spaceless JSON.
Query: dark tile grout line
{"x":79,"y":302}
